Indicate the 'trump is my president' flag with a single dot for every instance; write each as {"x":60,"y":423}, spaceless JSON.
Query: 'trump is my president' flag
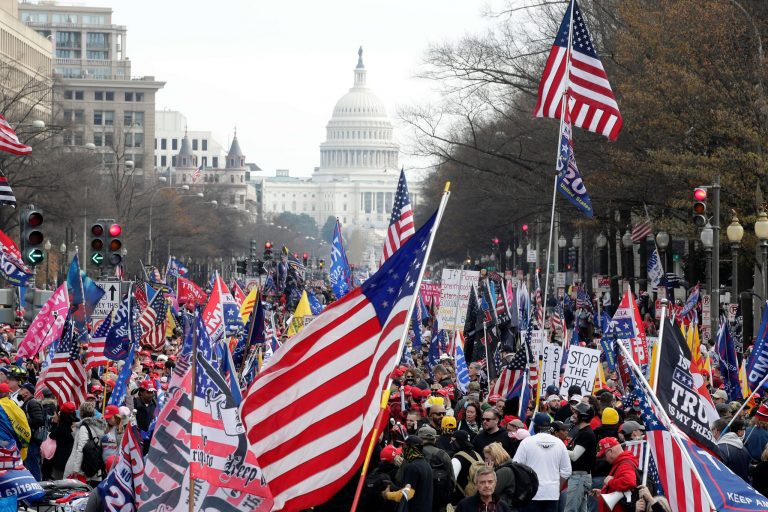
{"x":351,"y":348}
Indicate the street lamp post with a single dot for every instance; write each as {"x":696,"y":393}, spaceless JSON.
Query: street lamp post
{"x":628,"y":244}
{"x":62,"y":262}
{"x":662,"y":242}
{"x":508,"y":254}
{"x":761,"y":231}
{"x":707,"y":235}
{"x":519,"y":258}
{"x":149,"y":228}
{"x":735,"y":232}
{"x":47,"y":263}
{"x":602,"y":242}
{"x":577,"y":244}
{"x":561,"y":243}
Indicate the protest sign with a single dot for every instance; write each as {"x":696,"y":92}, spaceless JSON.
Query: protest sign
{"x":580,"y":369}
{"x":454,"y":294}
{"x":552,"y":354}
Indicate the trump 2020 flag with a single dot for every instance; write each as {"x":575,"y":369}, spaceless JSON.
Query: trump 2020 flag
{"x":462,"y":372}
{"x":655,"y":271}
{"x":569,"y":181}
{"x":118,"y":491}
{"x":47,"y":325}
{"x":757,"y":366}
{"x":351,"y":348}
{"x":340,"y":273}
{"x":727,"y":362}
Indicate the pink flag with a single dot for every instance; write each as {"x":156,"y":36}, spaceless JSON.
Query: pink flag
{"x":47,"y":325}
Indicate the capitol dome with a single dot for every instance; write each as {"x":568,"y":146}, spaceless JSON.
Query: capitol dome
{"x":359,"y":136}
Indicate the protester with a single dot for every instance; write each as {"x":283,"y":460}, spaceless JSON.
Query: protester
{"x":416,"y":473}
{"x":471,"y":422}
{"x":548,"y":457}
{"x":757,"y":435}
{"x":732,"y":450}
{"x":492,"y":432}
{"x":582,"y":451}
{"x":89,"y":427}
{"x":464,"y":458}
{"x":484,"y":499}
{"x":36,"y":421}
{"x":623,"y":474}
{"x":61,"y":432}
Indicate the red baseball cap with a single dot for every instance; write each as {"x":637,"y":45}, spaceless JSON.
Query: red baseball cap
{"x":96,"y":387}
{"x":68,"y":407}
{"x":492,"y":399}
{"x":606,"y":443}
{"x":147,"y":385}
{"x":388,"y":453}
{"x":5,"y":388}
{"x":110,"y":411}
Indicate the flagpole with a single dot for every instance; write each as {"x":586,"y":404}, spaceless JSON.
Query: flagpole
{"x":403,"y":335}
{"x":667,"y":424}
{"x":751,"y":395}
{"x":371,"y":445}
{"x":193,"y":372}
{"x":657,"y":346}
{"x":250,"y":332}
{"x":563,"y":107}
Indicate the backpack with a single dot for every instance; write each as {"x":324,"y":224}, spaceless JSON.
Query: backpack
{"x":525,"y":485}
{"x":370,"y":496}
{"x":442,"y":481}
{"x":93,"y":460}
{"x":474,"y":464}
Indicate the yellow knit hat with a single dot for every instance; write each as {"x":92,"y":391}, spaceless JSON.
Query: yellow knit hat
{"x":610,"y":416}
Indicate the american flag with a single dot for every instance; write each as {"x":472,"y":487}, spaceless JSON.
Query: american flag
{"x":6,"y":194}
{"x":591,"y":102}
{"x":152,"y":322}
{"x":196,"y":174}
{"x":401,"y":222}
{"x":9,"y":141}
{"x":678,"y":481}
{"x":641,"y":230}
{"x":66,"y":376}
{"x":351,"y":348}
{"x":510,"y":374}
{"x":95,"y":355}
{"x":637,"y":448}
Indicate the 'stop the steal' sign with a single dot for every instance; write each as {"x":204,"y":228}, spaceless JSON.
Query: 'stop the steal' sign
{"x":581,"y":368}
{"x":454,"y":297}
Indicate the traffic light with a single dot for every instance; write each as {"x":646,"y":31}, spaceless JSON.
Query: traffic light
{"x":321,"y":263}
{"x":257,"y":267}
{"x":305,"y":258}
{"x":114,"y":243}
{"x":242,"y":267}
{"x":253,"y":250}
{"x":700,"y":207}
{"x":98,"y":242}
{"x":32,"y":235}
{"x":267,"y":251}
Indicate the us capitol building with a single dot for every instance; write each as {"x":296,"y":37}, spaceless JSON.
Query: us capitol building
{"x":357,"y":177}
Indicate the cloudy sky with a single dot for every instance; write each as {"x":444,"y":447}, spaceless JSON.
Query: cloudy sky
{"x":275,"y":69}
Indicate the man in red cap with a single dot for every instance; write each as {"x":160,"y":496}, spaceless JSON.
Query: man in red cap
{"x":756,"y":436}
{"x":623,"y":475}
{"x":145,"y":407}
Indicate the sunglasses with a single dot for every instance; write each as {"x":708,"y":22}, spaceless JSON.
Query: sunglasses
{"x":438,"y":414}
{"x":488,"y":419}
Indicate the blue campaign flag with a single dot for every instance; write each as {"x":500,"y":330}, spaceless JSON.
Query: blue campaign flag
{"x":125,"y":329}
{"x":340,"y":272}
{"x":569,"y":181}
{"x":176,"y":268}
{"x":314,"y":304}
{"x":727,"y":362}
{"x":416,"y":324}
{"x":121,"y":384}
{"x":75,"y":283}
{"x":406,"y":358}
{"x":433,"y":357}
{"x":757,"y":365}
{"x":13,"y":271}
{"x":462,"y":371}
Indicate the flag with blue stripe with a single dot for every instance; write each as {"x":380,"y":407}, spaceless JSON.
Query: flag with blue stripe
{"x":462,"y":371}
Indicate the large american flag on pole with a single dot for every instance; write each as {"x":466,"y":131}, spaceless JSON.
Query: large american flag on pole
{"x":6,"y":194}
{"x":510,"y":374}
{"x":9,"y":141}
{"x":351,"y":349}
{"x":591,"y":101}
{"x":401,"y":222}
{"x":66,"y":376}
{"x":95,"y":355}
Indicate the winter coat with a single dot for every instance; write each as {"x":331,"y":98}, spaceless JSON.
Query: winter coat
{"x":97,"y":426}
{"x":110,"y":443}
{"x":624,"y":477}
{"x":734,"y":455}
{"x":61,"y":432}
{"x":35,"y":414}
{"x":472,"y":504}
{"x":757,"y":438}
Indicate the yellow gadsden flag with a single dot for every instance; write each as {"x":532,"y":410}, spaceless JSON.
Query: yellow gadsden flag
{"x":302,"y":316}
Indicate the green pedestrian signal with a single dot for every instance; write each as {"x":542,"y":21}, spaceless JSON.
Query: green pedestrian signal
{"x":97,"y":258}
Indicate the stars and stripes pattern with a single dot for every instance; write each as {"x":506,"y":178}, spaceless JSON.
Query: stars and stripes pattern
{"x":510,"y":374}
{"x":66,"y":376}
{"x":6,"y":194}
{"x":152,"y":322}
{"x":351,"y":348}
{"x":636,"y":448}
{"x":9,"y":141}
{"x":401,"y":222}
{"x":641,"y":230}
{"x":95,"y":355}
{"x":197,"y":174}
{"x":591,"y":101}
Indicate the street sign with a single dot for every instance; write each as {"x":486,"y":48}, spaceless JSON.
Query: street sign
{"x":732,"y":310}
{"x":97,"y":258}
{"x":531,"y":256}
{"x":109,"y":300}
{"x":560,"y":280}
{"x":706,"y":318}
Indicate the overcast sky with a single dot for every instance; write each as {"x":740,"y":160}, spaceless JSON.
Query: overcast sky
{"x":275,"y":68}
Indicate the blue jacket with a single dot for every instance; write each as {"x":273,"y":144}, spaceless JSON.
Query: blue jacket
{"x":756,"y":442}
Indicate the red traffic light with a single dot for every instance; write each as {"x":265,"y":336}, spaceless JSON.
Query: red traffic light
{"x":525,"y":227}
{"x":35,"y":219}
{"x":700,"y":194}
{"x":306,"y":255}
{"x":495,"y":241}
{"x":115,"y":230}
{"x":267,"y":245}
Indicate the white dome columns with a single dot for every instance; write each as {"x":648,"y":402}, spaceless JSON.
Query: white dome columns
{"x":358,"y":158}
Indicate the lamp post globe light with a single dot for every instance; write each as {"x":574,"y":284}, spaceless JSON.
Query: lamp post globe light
{"x":662,"y":242}
{"x":628,"y":244}
{"x":602,"y":243}
{"x":735,"y":232}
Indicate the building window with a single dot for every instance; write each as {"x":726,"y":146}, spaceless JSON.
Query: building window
{"x":194,"y":144}
{"x":163,"y":160}
{"x":98,"y":95}
{"x":344,"y":207}
{"x":98,"y":139}
{"x":205,"y":161}
{"x":184,"y":178}
{"x":163,"y":143}
{"x":79,"y":95}
{"x":129,"y":96}
{"x":242,"y":199}
{"x":98,"y":117}
{"x":174,"y":144}
{"x":368,"y":202}
{"x":215,"y":162}
{"x":133,"y":118}
{"x":68,"y":40}
{"x":205,"y":144}
{"x":232,"y":178}
{"x":139,"y":96}
{"x":173,"y":161}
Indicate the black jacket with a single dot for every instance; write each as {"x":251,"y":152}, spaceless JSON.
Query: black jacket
{"x":61,"y":432}
{"x":34,"y":412}
{"x":472,"y":504}
{"x":144,"y":413}
{"x":734,"y":455}
{"x":418,"y":473}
